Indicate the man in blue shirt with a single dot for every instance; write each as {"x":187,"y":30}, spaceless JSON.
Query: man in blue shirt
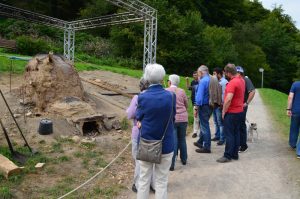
{"x":204,"y":110}
{"x":293,"y":111}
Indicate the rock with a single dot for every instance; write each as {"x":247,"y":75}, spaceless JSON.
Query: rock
{"x":88,"y":140}
{"x":16,"y":115}
{"x":111,"y":116}
{"x":25,"y":102}
{"x":107,"y":124}
{"x":76,"y":138}
{"x":120,"y":131}
{"x":64,"y":137}
{"x":39,"y":165}
{"x":116,"y":124}
{"x":29,"y":114}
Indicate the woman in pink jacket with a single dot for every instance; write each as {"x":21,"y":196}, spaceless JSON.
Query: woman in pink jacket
{"x":131,"y":111}
{"x":181,"y":120}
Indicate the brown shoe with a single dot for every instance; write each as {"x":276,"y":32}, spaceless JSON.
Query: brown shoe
{"x":198,"y":145}
{"x":223,"y":160}
{"x":203,"y":150}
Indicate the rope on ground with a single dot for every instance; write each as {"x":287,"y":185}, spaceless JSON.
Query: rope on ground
{"x":89,"y":180}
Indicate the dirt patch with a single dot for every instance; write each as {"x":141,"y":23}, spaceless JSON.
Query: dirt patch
{"x":70,"y":161}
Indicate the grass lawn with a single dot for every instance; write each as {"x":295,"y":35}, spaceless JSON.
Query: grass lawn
{"x":276,"y":102}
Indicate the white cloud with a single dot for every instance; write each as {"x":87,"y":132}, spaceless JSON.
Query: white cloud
{"x":290,"y":7}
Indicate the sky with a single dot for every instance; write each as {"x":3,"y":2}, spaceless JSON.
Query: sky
{"x":290,"y":7}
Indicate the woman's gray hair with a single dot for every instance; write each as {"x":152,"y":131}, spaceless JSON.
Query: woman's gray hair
{"x":174,"y":79}
{"x":144,"y":84}
{"x":154,"y":73}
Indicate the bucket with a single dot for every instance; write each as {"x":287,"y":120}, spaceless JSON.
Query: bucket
{"x":46,"y":127}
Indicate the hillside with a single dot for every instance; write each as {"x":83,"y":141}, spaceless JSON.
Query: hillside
{"x":190,"y":33}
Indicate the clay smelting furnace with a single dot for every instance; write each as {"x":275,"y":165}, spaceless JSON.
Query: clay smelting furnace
{"x":53,"y":85}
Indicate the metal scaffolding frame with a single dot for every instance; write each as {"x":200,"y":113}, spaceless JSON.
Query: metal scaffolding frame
{"x":69,"y":42}
{"x":137,"y":11}
{"x":109,"y":20}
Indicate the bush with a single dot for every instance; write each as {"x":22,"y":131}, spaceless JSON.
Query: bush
{"x":30,"y":46}
{"x":98,"y":47}
{"x":110,"y":61}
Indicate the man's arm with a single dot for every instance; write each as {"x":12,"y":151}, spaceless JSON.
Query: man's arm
{"x":227,"y":103}
{"x":289,"y":104}
{"x":250,"y":97}
{"x":199,"y":94}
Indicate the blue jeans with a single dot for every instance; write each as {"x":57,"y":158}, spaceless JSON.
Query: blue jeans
{"x":243,"y":129}
{"x":205,"y":136}
{"x":217,"y":113}
{"x":294,"y":132}
{"x":232,"y":122}
{"x":180,"y":142}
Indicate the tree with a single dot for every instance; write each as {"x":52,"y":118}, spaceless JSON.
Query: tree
{"x":250,"y":55}
{"x":181,"y":46}
{"x":278,"y":42}
{"x":221,"y":46}
{"x":254,"y":11}
{"x":220,"y":12}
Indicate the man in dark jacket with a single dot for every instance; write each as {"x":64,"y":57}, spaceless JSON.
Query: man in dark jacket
{"x":193,"y":87}
{"x":249,"y":95}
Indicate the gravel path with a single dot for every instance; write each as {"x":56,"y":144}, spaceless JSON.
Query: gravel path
{"x":268,"y":170}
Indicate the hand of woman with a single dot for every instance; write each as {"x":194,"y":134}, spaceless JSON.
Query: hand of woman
{"x":139,"y":124}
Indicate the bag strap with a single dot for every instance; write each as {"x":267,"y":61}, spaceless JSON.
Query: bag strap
{"x":169,"y":117}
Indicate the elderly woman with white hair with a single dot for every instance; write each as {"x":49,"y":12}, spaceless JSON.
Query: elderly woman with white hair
{"x":181,"y":120}
{"x":155,"y":115}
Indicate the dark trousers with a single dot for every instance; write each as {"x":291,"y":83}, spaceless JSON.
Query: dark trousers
{"x":243,"y":129}
{"x":205,"y":112}
{"x":294,"y":132}
{"x":232,"y":123}
{"x":180,"y":141}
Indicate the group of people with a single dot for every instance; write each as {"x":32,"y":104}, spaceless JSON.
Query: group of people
{"x":225,"y":94}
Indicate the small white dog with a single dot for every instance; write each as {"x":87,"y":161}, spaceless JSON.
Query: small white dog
{"x":251,"y":129}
